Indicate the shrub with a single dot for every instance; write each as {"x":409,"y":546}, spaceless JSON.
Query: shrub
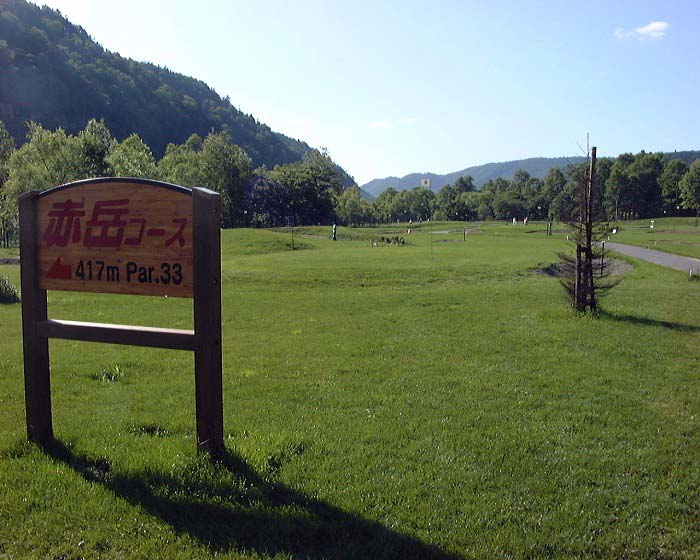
{"x":8,"y":293}
{"x":113,"y":373}
{"x":377,"y":241}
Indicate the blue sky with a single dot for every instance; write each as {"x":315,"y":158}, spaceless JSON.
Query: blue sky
{"x":397,"y":87}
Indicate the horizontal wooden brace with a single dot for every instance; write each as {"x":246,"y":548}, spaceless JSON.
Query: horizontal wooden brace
{"x":173,"y":339}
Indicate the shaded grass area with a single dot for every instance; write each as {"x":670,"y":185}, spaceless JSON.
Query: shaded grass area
{"x":231,"y":505}
{"x":380,"y":402}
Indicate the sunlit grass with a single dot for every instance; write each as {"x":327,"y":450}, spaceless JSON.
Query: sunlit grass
{"x":438,"y":399}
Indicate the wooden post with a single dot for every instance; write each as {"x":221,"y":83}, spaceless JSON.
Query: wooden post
{"x":37,"y":385}
{"x":589,"y":233}
{"x":206,"y":209}
{"x":578,"y":284}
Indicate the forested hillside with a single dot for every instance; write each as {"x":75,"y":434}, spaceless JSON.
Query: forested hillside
{"x":54,"y":73}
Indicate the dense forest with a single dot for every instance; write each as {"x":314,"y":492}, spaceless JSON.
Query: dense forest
{"x":301,"y":192}
{"x":54,"y":73}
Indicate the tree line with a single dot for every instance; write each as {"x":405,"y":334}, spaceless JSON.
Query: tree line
{"x":629,"y":186}
{"x":313,"y":191}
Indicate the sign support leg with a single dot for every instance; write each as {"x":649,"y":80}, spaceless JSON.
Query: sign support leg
{"x":37,"y":385}
{"x":207,"y":322}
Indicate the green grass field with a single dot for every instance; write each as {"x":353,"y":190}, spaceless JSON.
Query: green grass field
{"x":431,"y":400}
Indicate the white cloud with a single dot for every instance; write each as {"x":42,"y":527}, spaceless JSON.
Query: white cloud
{"x":652,"y":30}
{"x":408,"y":120}
{"x":381,"y":124}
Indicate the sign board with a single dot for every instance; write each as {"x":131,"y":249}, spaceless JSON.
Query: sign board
{"x":123,"y":236}
{"x":425,"y":183}
{"x":116,"y":237}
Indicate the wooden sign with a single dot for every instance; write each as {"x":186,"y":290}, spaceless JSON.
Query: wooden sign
{"x":116,"y":237}
{"x":124,"y":236}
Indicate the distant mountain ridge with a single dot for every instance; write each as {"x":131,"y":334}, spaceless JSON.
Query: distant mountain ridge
{"x":481,"y":174}
{"x":537,"y":167}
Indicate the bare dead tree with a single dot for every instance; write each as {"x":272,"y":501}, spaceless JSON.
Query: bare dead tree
{"x":586,"y":276}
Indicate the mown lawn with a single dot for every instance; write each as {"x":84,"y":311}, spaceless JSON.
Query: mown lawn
{"x":430,"y":400}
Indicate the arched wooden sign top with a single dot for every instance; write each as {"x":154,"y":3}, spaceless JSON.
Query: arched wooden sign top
{"x":124,"y":236}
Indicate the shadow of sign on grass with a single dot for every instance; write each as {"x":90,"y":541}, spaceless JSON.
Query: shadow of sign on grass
{"x":255,"y":514}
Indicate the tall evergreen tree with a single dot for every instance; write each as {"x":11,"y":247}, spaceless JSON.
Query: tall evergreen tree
{"x":585,"y":277}
{"x":96,"y":143}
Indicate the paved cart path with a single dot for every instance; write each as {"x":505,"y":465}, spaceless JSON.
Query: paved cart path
{"x":669,"y":260}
